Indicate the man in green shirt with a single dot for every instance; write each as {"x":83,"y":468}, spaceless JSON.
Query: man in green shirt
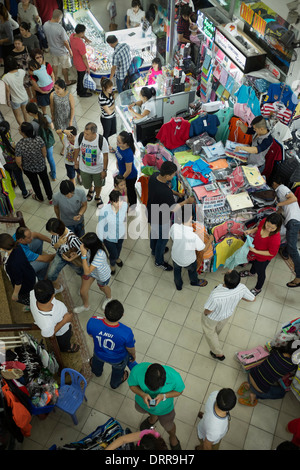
{"x":155,"y":387}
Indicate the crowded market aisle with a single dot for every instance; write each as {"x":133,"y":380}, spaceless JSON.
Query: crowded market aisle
{"x":167,"y":328}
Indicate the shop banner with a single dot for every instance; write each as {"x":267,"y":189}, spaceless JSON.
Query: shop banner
{"x":268,"y":27}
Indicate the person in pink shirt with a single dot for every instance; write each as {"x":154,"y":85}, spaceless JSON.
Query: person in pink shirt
{"x":154,"y":71}
{"x":80,"y":61}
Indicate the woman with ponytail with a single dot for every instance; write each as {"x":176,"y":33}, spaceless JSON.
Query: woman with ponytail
{"x":43,"y":126}
{"x":107,"y":105}
{"x":146,"y":103}
{"x":125,"y":162}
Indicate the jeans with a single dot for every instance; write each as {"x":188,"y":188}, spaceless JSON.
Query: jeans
{"x":51,"y":162}
{"x":159,"y":236}
{"x":114,"y":250}
{"x":58,"y":264}
{"x":119,"y":83}
{"x":14,"y":170}
{"x":192,"y":271}
{"x":78,"y":229}
{"x":40,"y":267}
{"x":259,"y":268}
{"x":275,"y":392}
{"x":117,"y":370}
{"x":292,"y":232}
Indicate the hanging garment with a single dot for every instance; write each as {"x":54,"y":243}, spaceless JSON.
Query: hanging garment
{"x":207,"y":254}
{"x":144,"y":185}
{"x":174,"y":133}
{"x":272,"y":158}
{"x":225,"y":249}
{"x":277,"y":110}
{"x":246,"y":94}
{"x":240,"y":256}
{"x":283,"y":93}
{"x":244,"y":112}
{"x":236,"y":134}
{"x":208,"y":123}
{"x":21,"y":415}
{"x":224,"y":116}
{"x":230,"y":226}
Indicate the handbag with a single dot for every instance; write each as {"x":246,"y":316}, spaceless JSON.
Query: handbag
{"x":41,"y":36}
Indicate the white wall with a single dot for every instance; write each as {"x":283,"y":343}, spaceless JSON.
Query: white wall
{"x":99,"y":10}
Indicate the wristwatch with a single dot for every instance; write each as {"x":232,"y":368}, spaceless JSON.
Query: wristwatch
{"x":164,"y":399}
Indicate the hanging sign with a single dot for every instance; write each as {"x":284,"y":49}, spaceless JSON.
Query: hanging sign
{"x":206,"y":26}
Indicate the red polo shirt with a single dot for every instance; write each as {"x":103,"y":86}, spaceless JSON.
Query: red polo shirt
{"x":78,"y":49}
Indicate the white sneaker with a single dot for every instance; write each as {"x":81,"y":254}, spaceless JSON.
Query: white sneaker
{"x":104,"y":303}
{"x":80,"y":309}
{"x":57,"y":291}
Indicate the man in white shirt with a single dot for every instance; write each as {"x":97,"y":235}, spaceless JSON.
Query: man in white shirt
{"x":214,"y":422}
{"x":93,"y":160}
{"x":185,"y":244}
{"x":291,"y":211}
{"x":52,"y":316}
{"x":219,"y":308}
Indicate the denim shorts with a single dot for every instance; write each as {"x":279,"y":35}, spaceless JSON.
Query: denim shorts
{"x":86,"y":277}
{"x":18,"y":105}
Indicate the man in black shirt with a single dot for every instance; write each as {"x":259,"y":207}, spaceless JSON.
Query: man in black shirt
{"x":160,"y":206}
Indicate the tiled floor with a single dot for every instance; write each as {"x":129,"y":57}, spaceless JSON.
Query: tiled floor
{"x":167,"y":328}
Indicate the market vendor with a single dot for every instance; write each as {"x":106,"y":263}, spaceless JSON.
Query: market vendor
{"x":135,"y":14}
{"x":146,"y":103}
{"x":183,"y":25}
{"x":262,"y":141}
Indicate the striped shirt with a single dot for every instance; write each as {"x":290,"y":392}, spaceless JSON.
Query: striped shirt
{"x":103,"y":100}
{"x":71,"y":242}
{"x":223,"y":301}
{"x":271,"y":370}
{"x":102,"y":271}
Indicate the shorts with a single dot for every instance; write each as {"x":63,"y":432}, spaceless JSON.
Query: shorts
{"x":42,"y":99}
{"x":89,"y":178}
{"x":63,"y":60}
{"x":86,"y":277}
{"x":71,"y":172}
{"x":18,"y":105}
{"x":166,"y":421}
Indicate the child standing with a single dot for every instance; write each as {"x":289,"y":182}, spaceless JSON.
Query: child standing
{"x":120,"y":185}
{"x":95,"y":266}
{"x":68,"y":137}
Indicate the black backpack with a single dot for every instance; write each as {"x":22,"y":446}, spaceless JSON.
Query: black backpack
{"x":100,"y":140}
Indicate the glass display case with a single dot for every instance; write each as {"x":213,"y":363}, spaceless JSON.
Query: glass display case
{"x":141,"y":43}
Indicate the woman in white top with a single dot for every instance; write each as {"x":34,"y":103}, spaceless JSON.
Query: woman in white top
{"x":146,"y":103}
{"x":16,"y":95}
{"x":135,"y":14}
{"x":95,"y":266}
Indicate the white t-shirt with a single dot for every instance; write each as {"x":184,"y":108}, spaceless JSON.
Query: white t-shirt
{"x":47,"y":321}
{"x":222,"y":301}
{"x":150,"y":106}
{"x":291,"y":211}
{"x":90,"y":156}
{"x":212,"y":427}
{"x":15,"y":81}
{"x":135,"y":18}
{"x":185,"y":244}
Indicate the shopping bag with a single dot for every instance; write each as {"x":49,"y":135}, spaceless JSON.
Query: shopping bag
{"x":88,"y":82}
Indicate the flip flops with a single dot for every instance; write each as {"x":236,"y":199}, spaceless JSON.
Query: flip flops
{"x":293,"y":284}
{"x":246,"y":273}
{"x":247,"y":402}
{"x":242,"y":390}
{"x":146,"y":425}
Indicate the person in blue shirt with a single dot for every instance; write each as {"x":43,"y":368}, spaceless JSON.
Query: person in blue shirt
{"x":111,"y":227}
{"x":125,"y":162}
{"x":114,"y":343}
{"x":32,"y":245}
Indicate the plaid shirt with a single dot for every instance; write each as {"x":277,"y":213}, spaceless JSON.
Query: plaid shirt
{"x":121,"y":59}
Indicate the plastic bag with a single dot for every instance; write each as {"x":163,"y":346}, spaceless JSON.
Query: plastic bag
{"x":88,"y":82}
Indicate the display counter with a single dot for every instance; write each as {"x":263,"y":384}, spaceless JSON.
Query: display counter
{"x":99,"y":53}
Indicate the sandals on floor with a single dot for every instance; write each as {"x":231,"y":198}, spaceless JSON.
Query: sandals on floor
{"x":242,"y":390}
{"x":247,"y":402}
{"x":90,"y":195}
{"x":293,"y":284}
{"x":99,"y":202}
{"x":34,"y":196}
{"x":74,"y":348}
{"x":246,"y":274}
